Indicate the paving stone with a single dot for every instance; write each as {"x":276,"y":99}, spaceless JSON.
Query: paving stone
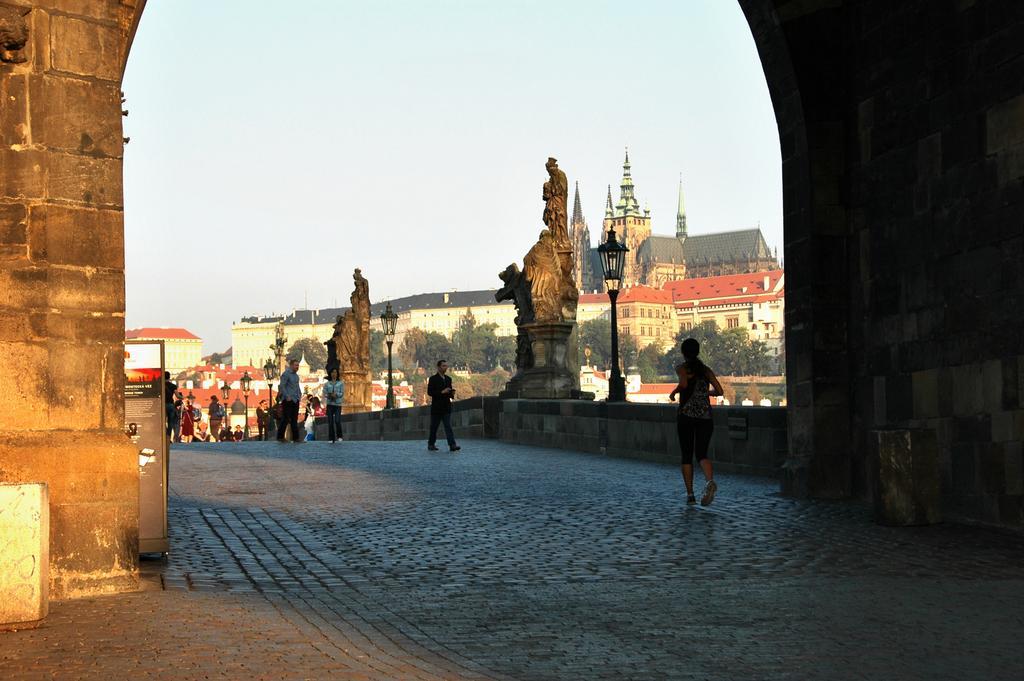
{"x":378,"y":560}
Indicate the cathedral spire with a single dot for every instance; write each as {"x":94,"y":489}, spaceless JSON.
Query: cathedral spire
{"x":609,"y":212}
{"x":681,"y":212}
{"x":577,"y":209}
{"x":627,"y":204}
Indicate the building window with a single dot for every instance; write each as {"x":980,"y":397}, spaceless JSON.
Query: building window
{"x":732,"y":322}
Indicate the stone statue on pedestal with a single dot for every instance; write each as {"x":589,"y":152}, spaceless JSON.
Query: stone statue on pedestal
{"x":545,"y":296}
{"x":349,"y":348}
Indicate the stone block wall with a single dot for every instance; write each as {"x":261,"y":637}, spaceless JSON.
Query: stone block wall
{"x":749,"y":440}
{"x":62,"y":283}
{"x":934,"y":164}
{"x":901,"y":127}
{"x":475,"y":417}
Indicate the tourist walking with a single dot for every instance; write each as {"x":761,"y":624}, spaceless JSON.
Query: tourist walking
{"x":216,"y":414}
{"x":693,"y":420}
{"x":262,"y":420}
{"x":441,"y":392}
{"x":290,"y":394}
{"x":334,"y":393}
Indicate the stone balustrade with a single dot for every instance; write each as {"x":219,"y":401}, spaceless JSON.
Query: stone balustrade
{"x":749,"y":440}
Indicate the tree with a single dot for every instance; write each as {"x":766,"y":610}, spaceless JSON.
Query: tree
{"x":500,"y":351}
{"x":728,"y":353}
{"x":597,"y":335}
{"x":629,"y":352}
{"x":468,"y":344}
{"x":422,"y":349}
{"x":314,"y":350}
{"x":378,"y":352}
{"x":407,"y":349}
{"x":648,"y":363}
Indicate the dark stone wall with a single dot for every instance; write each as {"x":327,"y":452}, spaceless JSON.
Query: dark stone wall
{"x":902,"y":134}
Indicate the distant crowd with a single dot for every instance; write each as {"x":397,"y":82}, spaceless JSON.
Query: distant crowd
{"x":188,"y":421}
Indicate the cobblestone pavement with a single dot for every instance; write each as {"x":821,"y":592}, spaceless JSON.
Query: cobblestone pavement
{"x":370,"y":560}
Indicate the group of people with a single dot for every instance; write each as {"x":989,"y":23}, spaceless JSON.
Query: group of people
{"x":185,"y":419}
{"x":697,"y":384}
{"x":290,"y":402}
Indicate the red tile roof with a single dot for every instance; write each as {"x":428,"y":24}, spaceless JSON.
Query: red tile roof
{"x":229,"y":374}
{"x":594,"y":298}
{"x":726,"y":289}
{"x":655,"y":389}
{"x":161,"y":333}
{"x":644,"y":294}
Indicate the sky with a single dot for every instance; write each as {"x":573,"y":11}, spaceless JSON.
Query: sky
{"x":272,"y":151}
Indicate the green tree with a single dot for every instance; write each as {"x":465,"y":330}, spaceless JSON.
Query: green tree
{"x":378,"y":352}
{"x":648,"y":363}
{"x":468,"y":344}
{"x":596,"y":334}
{"x":629,"y":352}
{"x":422,"y":349}
{"x":728,"y":353}
{"x":314,"y":350}
{"x":500,"y":351}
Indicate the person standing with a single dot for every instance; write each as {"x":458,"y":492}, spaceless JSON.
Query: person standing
{"x":334,"y":393}
{"x":170,"y":410}
{"x":176,"y":426}
{"x":290,"y":394}
{"x":262,"y":419}
{"x":693,"y":420}
{"x":216,"y":415}
{"x":441,"y":392}
{"x":188,"y":422}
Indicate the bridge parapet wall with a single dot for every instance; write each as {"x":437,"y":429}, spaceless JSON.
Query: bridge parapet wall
{"x":750,"y":440}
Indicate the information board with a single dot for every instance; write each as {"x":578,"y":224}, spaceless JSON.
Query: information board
{"x":145,"y":423}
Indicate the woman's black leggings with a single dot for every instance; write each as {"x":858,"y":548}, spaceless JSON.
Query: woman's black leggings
{"x":694,"y":437}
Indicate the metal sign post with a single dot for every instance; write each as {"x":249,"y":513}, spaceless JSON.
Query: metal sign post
{"x":145,"y":417}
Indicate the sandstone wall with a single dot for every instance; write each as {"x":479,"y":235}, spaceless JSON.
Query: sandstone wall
{"x":62,"y":278}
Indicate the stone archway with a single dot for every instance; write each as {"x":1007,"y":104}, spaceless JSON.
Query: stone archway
{"x":887,"y":154}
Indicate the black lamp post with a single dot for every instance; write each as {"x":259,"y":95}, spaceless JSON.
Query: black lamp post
{"x":270,"y":372}
{"x":225,"y":393}
{"x":246,"y":382}
{"x":389,"y":320}
{"x":613,"y":257}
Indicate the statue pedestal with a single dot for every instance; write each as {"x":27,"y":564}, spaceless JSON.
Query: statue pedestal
{"x":550,"y":377}
{"x":358,"y":392}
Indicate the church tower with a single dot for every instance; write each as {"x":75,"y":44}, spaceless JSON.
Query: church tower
{"x":579,"y":234}
{"x":632,"y":225}
{"x":681,"y":212}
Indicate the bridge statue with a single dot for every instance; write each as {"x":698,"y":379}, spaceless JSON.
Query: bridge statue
{"x":544,"y":293}
{"x":349,"y":348}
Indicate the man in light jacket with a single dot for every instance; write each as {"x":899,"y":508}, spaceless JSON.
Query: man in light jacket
{"x":334,"y":393}
{"x":290,"y":394}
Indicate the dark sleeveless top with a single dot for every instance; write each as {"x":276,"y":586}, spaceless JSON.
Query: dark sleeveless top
{"x":697,"y":404}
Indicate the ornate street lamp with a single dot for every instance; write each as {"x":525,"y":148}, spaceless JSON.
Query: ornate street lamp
{"x":389,"y":320}
{"x":613,"y":258}
{"x":280,"y":340}
{"x":270,"y":373}
{"x":225,"y":391}
{"x":246,"y":382}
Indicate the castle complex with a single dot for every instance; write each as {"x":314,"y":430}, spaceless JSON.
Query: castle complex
{"x":653,"y":260}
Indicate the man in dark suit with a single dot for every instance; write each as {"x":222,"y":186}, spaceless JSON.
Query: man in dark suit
{"x":441,"y":392}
